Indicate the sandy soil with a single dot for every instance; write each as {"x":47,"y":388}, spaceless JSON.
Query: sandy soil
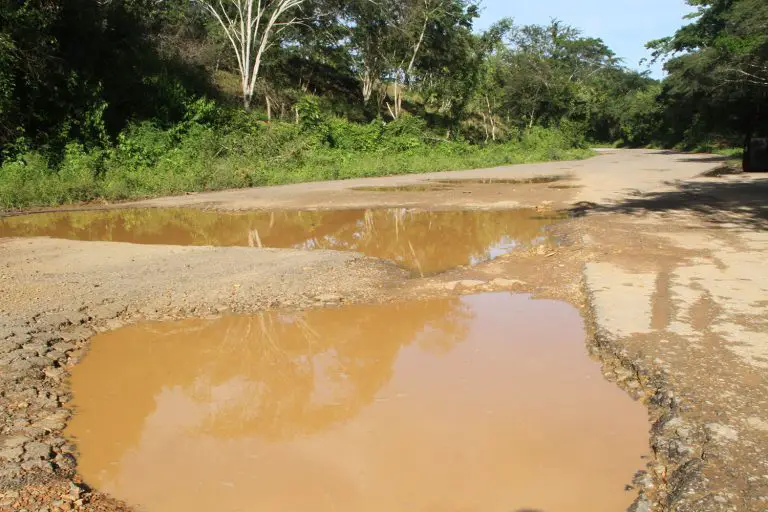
{"x":669,"y":267}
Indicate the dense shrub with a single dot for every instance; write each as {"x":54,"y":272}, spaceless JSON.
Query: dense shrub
{"x":211,"y":150}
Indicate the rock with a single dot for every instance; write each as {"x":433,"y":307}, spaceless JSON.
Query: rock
{"x":54,"y":320}
{"x":13,"y":442}
{"x":64,"y":347}
{"x":74,"y":490}
{"x":506,"y":283}
{"x":38,"y":347}
{"x":114,"y":324}
{"x":451,"y":285}
{"x":9,"y":472}
{"x":55,"y":355}
{"x":77,"y":317}
{"x":107,"y":311}
{"x":11,"y":454}
{"x":37,"y":451}
{"x":47,"y":337}
{"x":66,"y":461}
{"x":642,"y":479}
{"x":7,"y":346}
{"x":641,"y":504}
{"x":53,"y":423}
{"x":623,"y":374}
{"x":37,"y":464}
{"x":722,"y":433}
{"x":471,"y":283}
{"x":20,"y":365}
{"x":54,"y":373}
{"x":39,"y":362}
{"x":79,"y":333}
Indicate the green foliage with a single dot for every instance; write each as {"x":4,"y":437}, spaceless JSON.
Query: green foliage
{"x":82,"y":70}
{"x":29,"y":180}
{"x":717,"y":84}
{"x":196,"y":156}
{"x":115,"y":100}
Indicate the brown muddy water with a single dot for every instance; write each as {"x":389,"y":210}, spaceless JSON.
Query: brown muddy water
{"x":483,"y":403}
{"x":425,"y":242}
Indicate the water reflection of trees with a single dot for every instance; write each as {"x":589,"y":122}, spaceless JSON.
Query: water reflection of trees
{"x":420,"y":240}
{"x":274,"y":376}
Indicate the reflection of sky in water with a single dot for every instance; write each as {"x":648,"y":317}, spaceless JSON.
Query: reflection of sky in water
{"x":505,"y":245}
{"x":502,"y":247}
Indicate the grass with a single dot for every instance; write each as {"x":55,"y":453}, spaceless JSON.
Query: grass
{"x":148,"y":161}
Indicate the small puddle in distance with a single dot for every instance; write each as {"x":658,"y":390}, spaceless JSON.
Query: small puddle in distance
{"x":425,"y":242}
{"x":504,"y":181}
{"x":419,"y":187}
{"x":483,"y":403}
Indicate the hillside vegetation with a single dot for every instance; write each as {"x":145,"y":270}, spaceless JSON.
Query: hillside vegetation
{"x":134,"y":98}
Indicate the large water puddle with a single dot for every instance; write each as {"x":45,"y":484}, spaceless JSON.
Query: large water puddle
{"x":422,"y":241}
{"x":483,"y":403}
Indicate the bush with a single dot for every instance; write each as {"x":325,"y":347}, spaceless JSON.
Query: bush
{"x":77,"y":175}
{"x":211,"y":150}
{"x":27,"y":181}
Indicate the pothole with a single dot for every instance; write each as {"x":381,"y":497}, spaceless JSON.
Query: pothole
{"x":419,"y":187}
{"x":564,"y":187}
{"x":504,"y":181}
{"x":485,"y":402}
{"x":425,"y":242}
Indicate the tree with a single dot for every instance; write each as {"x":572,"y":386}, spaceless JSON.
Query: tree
{"x":717,"y":69}
{"x":426,"y":31}
{"x":80,"y":70}
{"x":252,"y":27}
{"x":391,"y":42}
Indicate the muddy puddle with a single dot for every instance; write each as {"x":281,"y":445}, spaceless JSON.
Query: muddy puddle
{"x":503,"y":181}
{"x":421,"y":187}
{"x":479,"y":403}
{"x":425,"y":242}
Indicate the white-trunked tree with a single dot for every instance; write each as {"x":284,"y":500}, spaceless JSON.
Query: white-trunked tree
{"x":252,"y":27}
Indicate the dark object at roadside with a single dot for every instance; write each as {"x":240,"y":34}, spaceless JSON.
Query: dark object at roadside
{"x":756,"y":155}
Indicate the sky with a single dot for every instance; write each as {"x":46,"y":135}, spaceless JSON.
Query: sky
{"x":624,"y":25}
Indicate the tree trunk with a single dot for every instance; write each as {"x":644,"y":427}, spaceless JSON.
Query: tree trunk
{"x":269,"y":107}
{"x":367,"y":82}
{"x":251,"y":29}
{"x":490,"y":117}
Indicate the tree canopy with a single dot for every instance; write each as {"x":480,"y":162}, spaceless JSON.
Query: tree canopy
{"x":108,"y":89}
{"x":717,"y":71}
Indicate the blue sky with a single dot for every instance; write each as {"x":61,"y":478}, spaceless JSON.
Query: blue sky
{"x":625,"y":25}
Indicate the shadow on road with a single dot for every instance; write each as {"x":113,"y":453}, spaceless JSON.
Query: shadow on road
{"x":743,"y":203}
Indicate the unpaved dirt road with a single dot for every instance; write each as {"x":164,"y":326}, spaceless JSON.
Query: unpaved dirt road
{"x":670,"y":268}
